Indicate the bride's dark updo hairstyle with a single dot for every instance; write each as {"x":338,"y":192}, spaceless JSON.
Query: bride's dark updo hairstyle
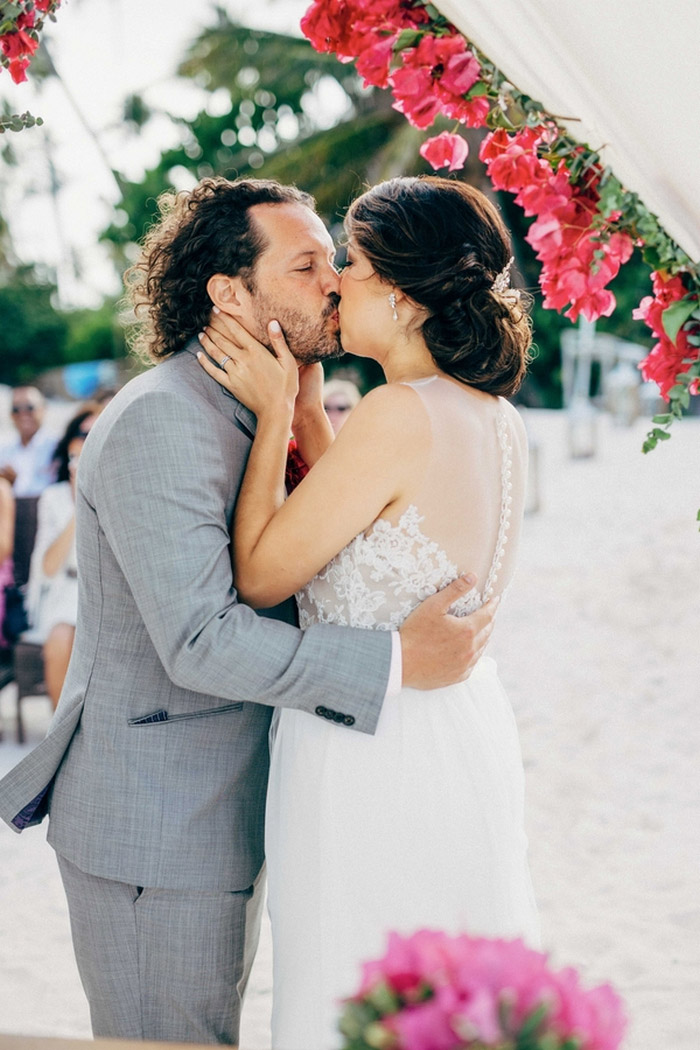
{"x":443,"y":243}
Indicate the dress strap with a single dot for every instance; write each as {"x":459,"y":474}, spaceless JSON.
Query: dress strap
{"x":506,"y":501}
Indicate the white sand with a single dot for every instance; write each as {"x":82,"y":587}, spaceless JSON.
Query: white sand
{"x":598,"y":648}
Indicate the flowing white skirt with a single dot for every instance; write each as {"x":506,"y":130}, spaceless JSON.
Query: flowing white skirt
{"x":418,"y":826}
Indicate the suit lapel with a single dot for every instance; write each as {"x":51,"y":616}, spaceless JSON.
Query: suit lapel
{"x":224,"y":400}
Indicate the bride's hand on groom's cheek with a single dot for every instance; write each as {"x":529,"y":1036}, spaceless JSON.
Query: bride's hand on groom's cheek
{"x":263,"y":380}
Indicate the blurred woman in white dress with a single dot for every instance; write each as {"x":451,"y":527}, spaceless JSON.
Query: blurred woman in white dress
{"x":421,"y":824}
{"x":52,"y":590}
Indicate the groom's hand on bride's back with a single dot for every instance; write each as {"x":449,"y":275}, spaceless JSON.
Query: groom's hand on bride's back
{"x":437,"y":648}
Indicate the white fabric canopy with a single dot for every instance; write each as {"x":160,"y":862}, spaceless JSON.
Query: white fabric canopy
{"x":629,"y":70}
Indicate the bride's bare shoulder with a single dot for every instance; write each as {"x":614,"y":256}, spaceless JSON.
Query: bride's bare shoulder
{"x":392,"y":407}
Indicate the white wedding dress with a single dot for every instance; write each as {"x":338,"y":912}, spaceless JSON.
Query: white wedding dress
{"x":421,"y":824}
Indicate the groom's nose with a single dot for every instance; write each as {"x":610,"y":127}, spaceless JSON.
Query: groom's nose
{"x":330,"y":280}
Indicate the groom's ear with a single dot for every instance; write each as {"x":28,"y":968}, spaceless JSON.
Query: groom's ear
{"x":229,"y":294}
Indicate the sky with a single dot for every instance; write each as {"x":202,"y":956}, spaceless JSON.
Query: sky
{"x":104,"y":50}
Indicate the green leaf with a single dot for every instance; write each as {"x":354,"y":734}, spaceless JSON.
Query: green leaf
{"x":532,"y":1023}
{"x":611,"y":196}
{"x":383,"y":998}
{"x":674,"y":316}
{"x":378,"y":1037}
{"x":665,"y":419}
{"x":498,"y":119}
{"x":651,"y":257}
{"x":653,"y":438}
{"x":477,"y":90}
{"x":407,"y":38}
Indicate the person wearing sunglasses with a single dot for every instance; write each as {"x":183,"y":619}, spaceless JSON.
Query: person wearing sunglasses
{"x":26,"y":461}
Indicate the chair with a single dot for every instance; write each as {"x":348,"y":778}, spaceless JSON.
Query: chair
{"x":25,"y":535}
{"x":24,"y":664}
{"x":7,"y":675}
{"x":29,"y":677}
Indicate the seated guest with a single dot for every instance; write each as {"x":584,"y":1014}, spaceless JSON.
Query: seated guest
{"x":339,"y":398}
{"x":52,"y":598}
{"x":26,"y":460}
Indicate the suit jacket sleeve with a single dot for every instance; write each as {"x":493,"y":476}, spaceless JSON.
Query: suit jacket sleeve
{"x":160,"y":487}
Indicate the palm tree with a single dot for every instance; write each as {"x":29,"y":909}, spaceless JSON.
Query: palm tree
{"x":278,"y":109}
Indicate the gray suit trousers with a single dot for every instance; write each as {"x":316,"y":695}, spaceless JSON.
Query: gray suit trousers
{"x":162,"y":964}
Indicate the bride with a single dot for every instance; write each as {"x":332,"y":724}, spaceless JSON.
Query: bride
{"x":420,"y":825}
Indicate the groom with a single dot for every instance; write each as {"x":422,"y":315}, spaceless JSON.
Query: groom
{"x":155,"y":766}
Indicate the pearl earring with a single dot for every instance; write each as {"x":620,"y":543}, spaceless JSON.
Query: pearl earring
{"x":392,"y":304}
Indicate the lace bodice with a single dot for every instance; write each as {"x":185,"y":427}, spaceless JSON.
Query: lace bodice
{"x":385,"y":572}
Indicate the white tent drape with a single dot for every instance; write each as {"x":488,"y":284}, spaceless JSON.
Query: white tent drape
{"x":628,"y":70}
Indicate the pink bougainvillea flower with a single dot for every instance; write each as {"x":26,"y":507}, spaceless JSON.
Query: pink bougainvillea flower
{"x":399,"y":967}
{"x":664,"y":363}
{"x":425,"y":1026}
{"x":419,"y":109}
{"x":374,"y":62}
{"x":328,"y":25}
{"x":513,"y":170}
{"x":18,"y":44}
{"x":499,"y":141}
{"x":470,"y":111}
{"x":18,"y":69}
{"x":25,"y":20}
{"x":667,"y":359}
{"x":415,"y":95}
{"x":461,"y":70}
{"x":402,"y":14}
{"x":511,"y":160}
{"x":547,"y":191}
{"x":445,"y":151}
{"x":578,"y":259}
{"x":433,"y":77}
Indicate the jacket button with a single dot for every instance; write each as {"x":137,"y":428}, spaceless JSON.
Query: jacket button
{"x":338,"y":717}
{"x":349,"y":720}
{"x":329,"y":714}
{"x":320,"y":710}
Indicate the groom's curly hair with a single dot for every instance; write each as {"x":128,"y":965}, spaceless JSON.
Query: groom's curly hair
{"x":200,"y":232}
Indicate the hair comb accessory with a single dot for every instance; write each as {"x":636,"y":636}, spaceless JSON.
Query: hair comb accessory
{"x":501,"y":282}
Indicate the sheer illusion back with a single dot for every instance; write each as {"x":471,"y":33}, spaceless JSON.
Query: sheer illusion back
{"x":462,"y":515}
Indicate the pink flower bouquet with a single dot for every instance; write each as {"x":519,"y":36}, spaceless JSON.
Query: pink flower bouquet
{"x":435,"y":992}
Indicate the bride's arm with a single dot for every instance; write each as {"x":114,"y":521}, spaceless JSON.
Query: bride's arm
{"x":279,"y":545}
{"x":311,"y":426}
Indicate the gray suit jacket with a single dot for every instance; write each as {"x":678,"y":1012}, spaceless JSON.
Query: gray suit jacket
{"x":156,"y":760}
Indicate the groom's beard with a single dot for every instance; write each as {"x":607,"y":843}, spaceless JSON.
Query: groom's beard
{"x":308,"y":339}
